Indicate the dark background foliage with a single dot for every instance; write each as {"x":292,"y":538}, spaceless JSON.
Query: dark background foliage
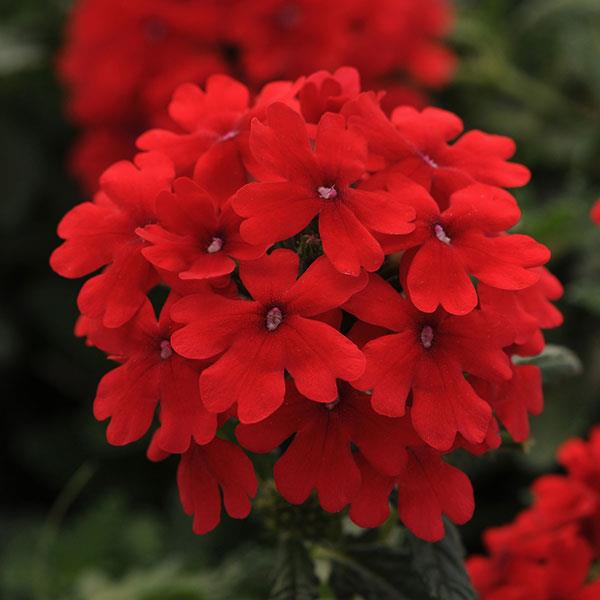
{"x":82,"y":520}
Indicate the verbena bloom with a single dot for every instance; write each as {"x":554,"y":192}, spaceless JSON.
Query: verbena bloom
{"x":151,"y":374}
{"x":427,"y":488}
{"x":595,"y":212}
{"x":168,"y":43}
{"x":464,"y":240}
{"x":214,"y":126}
{"x":104,"y":233}
{"x":426,"y":355}
{"x":278,"y":329}
{"x":339,"y":287}
{"x":321,"y":454}
{"x":305,"y":184}
{"x":549,"y":550}
{"x":210,"y":475}
{"x":197,"y":238}
{"x":418,"y":144}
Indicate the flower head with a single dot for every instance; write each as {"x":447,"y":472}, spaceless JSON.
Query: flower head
{"x":318,"y":183}
{"x":342,"y":284}
{"x":548,"y":550}
{"x":277,"y":330}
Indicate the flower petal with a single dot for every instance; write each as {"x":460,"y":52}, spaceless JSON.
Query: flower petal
{"x":249,"y":373}
{"x":346,"y":242}
{"x":428,"y":488}
{"x":316,"y":355}
{"x":445,"y":404}
{"x":269,"y":278}
{"x":322,"y":288}
{"x":183,"y":417}
{"x":437,"y":276}
{"x":274,"y":211}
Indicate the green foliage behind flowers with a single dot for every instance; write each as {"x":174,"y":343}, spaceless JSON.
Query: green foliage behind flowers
{"x":108,"y":551}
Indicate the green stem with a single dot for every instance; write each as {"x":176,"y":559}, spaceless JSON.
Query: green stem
{"x":61,"y":506}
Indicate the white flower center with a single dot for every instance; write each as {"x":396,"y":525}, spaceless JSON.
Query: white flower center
{"x":427,"y":336}
{"x":215,"y":246}
{"x":273,"y":319}
{"x":429,"y":160}
{"x":440,"y":234}
{"x":327,"y":193}
{"x":165,"y":350}
{"x":229,"y":135}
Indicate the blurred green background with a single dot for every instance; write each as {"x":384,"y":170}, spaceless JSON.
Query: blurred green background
{"x":82,"y":520}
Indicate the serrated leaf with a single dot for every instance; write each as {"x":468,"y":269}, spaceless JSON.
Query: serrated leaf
{"x":441,"y":566}
{"x":375,"y":572}
{"x":410,"y":569}
{"x":295,"y":577}
{"x":555,"y":361}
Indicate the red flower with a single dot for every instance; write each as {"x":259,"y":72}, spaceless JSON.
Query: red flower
{"x":561,"y":501}
{"x":378,"y":36}
{"x":320,"y":455}
{"x":582,"y":459}
{"x":491,"y":441}
{"x":95,"y":150}
{"x":195,"y":238}
{"x":276,"y":330}
{"x":595,"y":212}
{"x":153,"y":35}
{"x":560,"y":576}
{"x":103,"y":232}
{"x":165,"y":43}
{"x":547,"y":551}
{"x":390,"y":33}
{"x":589,"y":592}
{"x":560,"y":573}
{"x":529,"y":310}
{"x":416,"y":144}
{"x":427,"y":488}
{"x":428,"y":355}
{"x":150,"y":374}
{"x":213,"y":129}
{"x":208,"y":472}
{"x":169,"y":43}
{"x":279,"y":39}
{"x":514,"y":400}
{"x":327,"y":92}
{"x":318,"y":183}
{"x":462,"y":241}
{"x":316,"y":169}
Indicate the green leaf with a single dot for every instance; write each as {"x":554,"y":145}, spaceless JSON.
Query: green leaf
{"x":556,"y":362}
{"x":441,"y":565}
{"x":375,"y":572}
{"x":405,"y":569}
{"x":295,"y":577}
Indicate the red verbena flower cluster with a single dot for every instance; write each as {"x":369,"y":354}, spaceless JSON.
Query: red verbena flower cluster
{"x":341,"y":285}
{"x":595,"y":212}
{"x":122,"y":59}
{"x":549,"y":551}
